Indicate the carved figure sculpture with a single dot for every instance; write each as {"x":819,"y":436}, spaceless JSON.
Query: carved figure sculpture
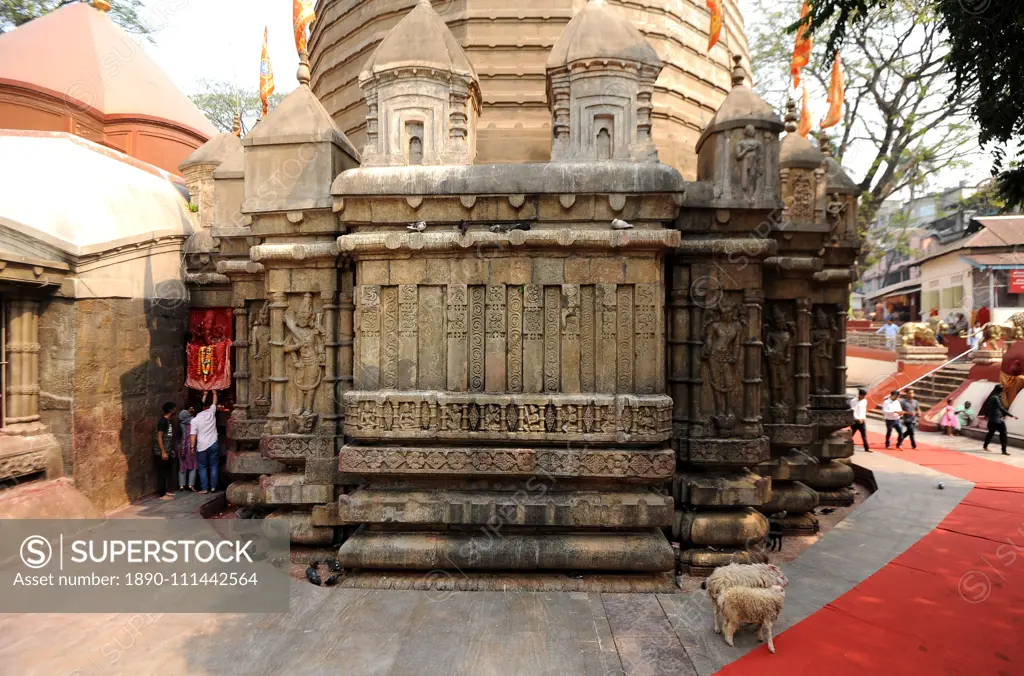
{"x":1016,"y":325}
{"x":822,"y":344}
{"x":748,"y":156}
{"x":778,"y":351}
{"x":306,"y":344}
{"x":802,"y":206}
{"x":259,"y":338}
{"x":721,"y":356}
{"x":917,"y":333}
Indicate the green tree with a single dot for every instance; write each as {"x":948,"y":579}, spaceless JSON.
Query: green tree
{"x":985,"y":55}
{"x":899,"y":125}
{"x":127,"y":13}
{"x":220,"y":100}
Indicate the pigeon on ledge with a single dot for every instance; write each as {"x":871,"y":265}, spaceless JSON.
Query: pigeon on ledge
{"x":418,"y":226}
{"x":313,"y":576}
{"x":619,"y":224}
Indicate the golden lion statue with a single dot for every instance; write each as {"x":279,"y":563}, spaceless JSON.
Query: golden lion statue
{"x":1014,"y":327}
{"x":917,"y":333}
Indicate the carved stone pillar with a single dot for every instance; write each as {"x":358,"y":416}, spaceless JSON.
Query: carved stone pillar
{"x":753,"y":300}
{"x":802,"y":372}
{"x":278,"y":377}
{"x":241,"y":374}
{"x":346,"y":334}
{"x":330,"y":306}
{"x":839,"y":352}
{"x":23,"y":362}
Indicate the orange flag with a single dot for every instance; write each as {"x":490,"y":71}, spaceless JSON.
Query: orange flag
{"x":802,"y":48}
{"x":805,"y":117}
{"x":266,"y":77}
{"x":302,"y":15}
{"x":836,"y":96}
{"x":716,"y":22}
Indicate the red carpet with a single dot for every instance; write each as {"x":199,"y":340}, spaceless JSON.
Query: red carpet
{"x":951,"y":604}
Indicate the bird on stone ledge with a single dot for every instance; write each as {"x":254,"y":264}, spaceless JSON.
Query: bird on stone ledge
{"x":313,"y":576}
{"x":507,"y":227}
{"x":418,"y":226}
{"x":619,"y":224}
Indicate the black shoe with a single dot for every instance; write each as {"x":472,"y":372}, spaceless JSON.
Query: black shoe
{"x":868,"y":450}
{"x":985,"y":448}
{"x":1005,"y":453}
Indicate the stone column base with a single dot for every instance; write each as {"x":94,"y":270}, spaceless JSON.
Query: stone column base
{"x":26,"y":454}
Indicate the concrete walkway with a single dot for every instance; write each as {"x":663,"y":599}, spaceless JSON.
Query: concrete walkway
{"x":393,"y":633}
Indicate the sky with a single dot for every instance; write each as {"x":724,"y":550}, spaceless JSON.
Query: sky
{"x":222,"y":40}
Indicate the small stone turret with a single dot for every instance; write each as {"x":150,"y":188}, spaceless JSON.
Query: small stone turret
{"x":739,"y":149}
{"x":600,"y":80}
{"x":802,"y":174}
{"x":198,"y":170}
{"x":841,"y":202}
{"x":423,"y":95}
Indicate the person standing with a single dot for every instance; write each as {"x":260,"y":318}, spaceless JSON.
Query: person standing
{"x":162,"y":451}
{"x":911,"y":410}
{"x":206,"y":444}
{"x":997,"y":414}
{"x":891,"y":331}
{"x":860,"y":416}
{"x":950,"y":423}
{"x":892,"y":411}
{"x":186,"y":453}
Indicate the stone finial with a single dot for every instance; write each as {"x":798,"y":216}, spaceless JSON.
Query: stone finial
{"x":825,"y":144}
{"x":791,"y":117}
{"x":102,"y":5}
{"x":236,"y":125}
{"x":303,"y":73}
{"x":737,"y":71}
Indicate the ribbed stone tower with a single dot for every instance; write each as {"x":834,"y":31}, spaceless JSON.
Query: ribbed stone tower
{"x":509,"y":46}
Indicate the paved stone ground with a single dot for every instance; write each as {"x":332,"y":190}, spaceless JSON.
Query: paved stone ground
{"x":393,"y":633}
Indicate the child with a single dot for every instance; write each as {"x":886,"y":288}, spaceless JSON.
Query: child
{"x":950,"y":422}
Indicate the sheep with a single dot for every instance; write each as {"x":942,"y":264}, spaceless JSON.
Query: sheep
{"x":741,"y":575}
{"x":755,"y":606}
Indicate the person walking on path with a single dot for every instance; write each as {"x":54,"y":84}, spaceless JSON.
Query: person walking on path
{"x":997,"y":414}
{"x":892,"y":411}
{"x":163,"y":451}
{"x":186,"y":453}
{"x":891,"y":331}
{"x":860,"y":416}
{"x":911,"y":410}
{"x":206,"y":444}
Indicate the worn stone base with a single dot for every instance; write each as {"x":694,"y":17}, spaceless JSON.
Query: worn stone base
{"x":244,"y":494}
{"x":441,"y":581}
{"x":293,"y":489}
{"x":640,"y":508}
{"x":832,"y":475}
{"x":799,"y":524}
{"x":23,"y":455}
{"x":702,"y":562}
{"x":740,"y":488}
{"x":793,"y":466}
{"x":791,"y":497}
{"x":301,"y":528}
{"x":252,"y":463}
{"x":730,"y":527}
{"x":647,"y":552}
{"x":842,"y":497}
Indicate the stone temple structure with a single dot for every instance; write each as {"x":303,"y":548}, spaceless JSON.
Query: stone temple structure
{"x":481,"y":369}
{"x":510,"y":47}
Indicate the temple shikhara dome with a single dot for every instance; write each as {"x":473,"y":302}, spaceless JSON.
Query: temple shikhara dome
{"x":74,"y":70}
{"x":509,"y":46}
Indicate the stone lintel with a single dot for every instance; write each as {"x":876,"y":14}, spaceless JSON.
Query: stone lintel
{"x":239,"y":267}
{"x":646,"y":551}
{"x":752,"y":247}
{"x":451,"y":241}
{"x":836,"y":276}
{"x":641,"y":508}
{"x":296,"y":448}
{"x":558,"y":418}
{"x":794,"y":263}
{"x":642,"y":466}
{"x":294,"y":252}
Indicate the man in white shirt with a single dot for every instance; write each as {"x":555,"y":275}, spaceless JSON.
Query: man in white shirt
{"x":892,"y":410}
{"x":860,"y":416}
{"x":206,"y":445}
{"x":891,"y":331}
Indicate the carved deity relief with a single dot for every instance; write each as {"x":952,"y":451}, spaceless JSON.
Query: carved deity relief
{"x":259,"y":340}
{"x":779,"y":335}
{"x":802,"y":206}
{"x":823,"y":340}
{"x":749,"y":154}
{"x":722,"y":338}
{"x":306,"y":344}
